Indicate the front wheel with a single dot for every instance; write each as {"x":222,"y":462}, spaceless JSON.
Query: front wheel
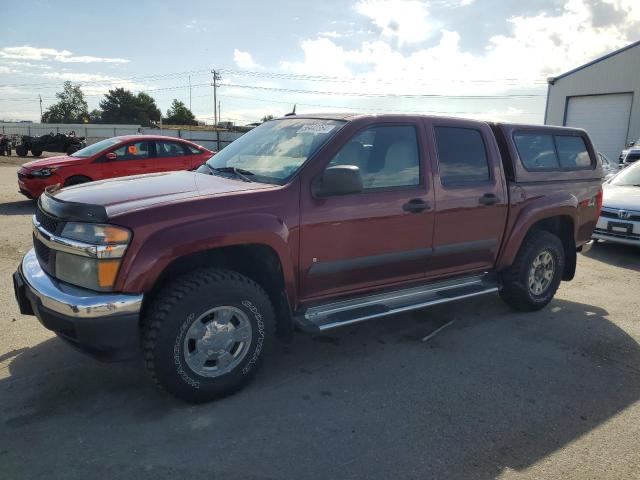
{"x":22,"y":151}
{"x":206,"y":333}
{"x":533,"y":279}
{"x":36,"y":153}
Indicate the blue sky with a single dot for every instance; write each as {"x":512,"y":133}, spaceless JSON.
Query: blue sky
{"x":476,"y":58}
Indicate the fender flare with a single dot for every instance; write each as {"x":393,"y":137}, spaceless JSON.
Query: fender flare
{"x":560,"y":204}
{"x":143,"y":267}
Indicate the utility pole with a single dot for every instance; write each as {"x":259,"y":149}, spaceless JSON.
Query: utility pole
{"x":190,"y":92}
{"x":216,"y":77}
{"x":40,"y":97}
{"x":219,"y":111}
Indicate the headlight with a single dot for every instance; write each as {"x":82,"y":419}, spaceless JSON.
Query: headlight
{"x":100,"y":250}
{"x":87,"y":272}
{"x":96,"y":234}
{"x":44,"y":172}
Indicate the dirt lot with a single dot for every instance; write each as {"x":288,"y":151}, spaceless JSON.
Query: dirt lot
{"x":497,"y":395}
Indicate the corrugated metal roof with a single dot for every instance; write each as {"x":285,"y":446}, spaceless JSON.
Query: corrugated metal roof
{"x":616,"y":52}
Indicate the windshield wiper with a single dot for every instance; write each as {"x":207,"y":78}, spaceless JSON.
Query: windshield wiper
{"x":238,"y":172}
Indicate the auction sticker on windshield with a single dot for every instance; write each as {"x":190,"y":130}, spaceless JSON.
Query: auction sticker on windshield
{"x":316,"y":128}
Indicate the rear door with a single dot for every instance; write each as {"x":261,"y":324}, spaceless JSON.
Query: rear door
{"x":377,"y":237}
{"x":471,"y":199}
{"x":170,"y":156}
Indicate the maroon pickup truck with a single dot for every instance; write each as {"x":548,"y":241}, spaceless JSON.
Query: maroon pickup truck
{"x":309,"y":223}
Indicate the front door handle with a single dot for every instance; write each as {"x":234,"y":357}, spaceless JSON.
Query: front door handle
{"x":416,"y":205}
{"x":488,"y":199}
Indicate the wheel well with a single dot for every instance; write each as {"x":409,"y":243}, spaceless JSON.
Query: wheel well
{"x":77,"y":177}
{"x":562,"y":227}
{"x":257,"y":262}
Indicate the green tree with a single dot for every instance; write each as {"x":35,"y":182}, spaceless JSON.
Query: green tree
{"x":266,"y":118}
{"x":179,"y":114}
{"x":95,"y":116}
{"x":122,"y":106}
{"x":71,"y":106}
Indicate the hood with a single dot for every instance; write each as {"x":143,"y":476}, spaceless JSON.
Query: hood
{"x":58,"y":161}
{"x":138,"y":192}
{"x":621,"y":197}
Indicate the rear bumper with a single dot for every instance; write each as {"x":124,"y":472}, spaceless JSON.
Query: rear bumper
{"x":103,"y":325}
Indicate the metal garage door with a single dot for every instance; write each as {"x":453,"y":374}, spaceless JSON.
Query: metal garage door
{"x":604,"y":117}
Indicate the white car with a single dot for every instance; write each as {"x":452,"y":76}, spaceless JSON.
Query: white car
{"x":619,"y":220}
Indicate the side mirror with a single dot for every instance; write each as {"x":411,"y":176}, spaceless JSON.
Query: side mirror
{"x":630,"y":144}
{"x":111,"y":156}
{"x":338,"y":180}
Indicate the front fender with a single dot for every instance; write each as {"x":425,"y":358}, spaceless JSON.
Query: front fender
{"x":144,"y":265}
{"x":532,"y":211}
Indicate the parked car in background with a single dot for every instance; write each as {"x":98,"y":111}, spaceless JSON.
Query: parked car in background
{"x":113,"y":157}
{"x":619,"y":220}
{"x":609,"y":169}
{"x":632,"y":155}
{"x":626,"y":149}
{"x":314,"y":223}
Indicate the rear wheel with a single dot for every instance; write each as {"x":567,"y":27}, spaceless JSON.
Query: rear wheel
{"x":76,"y":180}
{"x":205,"y":334}
{"x":71,"y":149}
{"x":533,"y":279}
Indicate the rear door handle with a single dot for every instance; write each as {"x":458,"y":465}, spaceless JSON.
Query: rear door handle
{"x":416,"y":205}
{"x":488,"y":199}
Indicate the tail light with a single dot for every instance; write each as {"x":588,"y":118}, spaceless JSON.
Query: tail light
{"x":599,"y":201}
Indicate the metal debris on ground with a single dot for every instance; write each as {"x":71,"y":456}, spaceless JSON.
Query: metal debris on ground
{"x":438,"y":330}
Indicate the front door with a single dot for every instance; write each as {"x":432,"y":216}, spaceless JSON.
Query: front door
{"x":471,"y":200}
{"x":377,"y":237}
{"x":132,"y":158}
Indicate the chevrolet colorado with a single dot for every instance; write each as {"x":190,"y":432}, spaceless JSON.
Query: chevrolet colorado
{"x":310,"y":223}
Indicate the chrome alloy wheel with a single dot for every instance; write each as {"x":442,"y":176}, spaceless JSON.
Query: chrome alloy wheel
{"x":217,"y":341}
{"x":541,"y":272}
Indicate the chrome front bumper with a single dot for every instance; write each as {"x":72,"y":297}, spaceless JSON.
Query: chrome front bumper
{"x":72,"y":301}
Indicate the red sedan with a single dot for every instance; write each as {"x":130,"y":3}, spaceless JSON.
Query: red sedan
{"x":113,"y":157}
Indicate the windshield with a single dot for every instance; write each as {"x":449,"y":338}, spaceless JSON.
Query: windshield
{"x":628,"y":176}
{"x":95,"y":148}
{"x":275,"y":150}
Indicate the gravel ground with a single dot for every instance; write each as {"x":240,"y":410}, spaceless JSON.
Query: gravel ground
{"x":497,"y":394}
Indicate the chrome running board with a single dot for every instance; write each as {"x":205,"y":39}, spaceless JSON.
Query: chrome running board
{"x":346,"y":312}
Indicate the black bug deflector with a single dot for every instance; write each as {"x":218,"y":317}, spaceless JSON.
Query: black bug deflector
{"x":71,"y":211}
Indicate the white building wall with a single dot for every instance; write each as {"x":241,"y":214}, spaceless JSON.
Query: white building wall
{"x":619,"y":73}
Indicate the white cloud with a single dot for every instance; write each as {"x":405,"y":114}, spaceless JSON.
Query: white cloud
{"x":407,"y":21}
{"x":331,"y":34}
{"x":27,"y":52}
{"x":537,"y":47}
{"x":93,"y":83}
{"x":244,"y":59}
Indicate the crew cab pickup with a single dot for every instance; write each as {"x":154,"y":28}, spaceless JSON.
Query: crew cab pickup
{"x":308,"y":223}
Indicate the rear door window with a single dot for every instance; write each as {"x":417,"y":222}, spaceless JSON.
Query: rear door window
{"x":572,"y":152}
{"x":462,"y":156}
{"x":170,"y":149}
{"x":537,"y":151}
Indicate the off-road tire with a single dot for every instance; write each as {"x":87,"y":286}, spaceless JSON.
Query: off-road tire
{"x":76,"y":180}
{"x":515,"y":280}
{"x":36,"y":153}
{"x":177,"y":306}
{"x":71,"y":150}
{"x":21,"y":151}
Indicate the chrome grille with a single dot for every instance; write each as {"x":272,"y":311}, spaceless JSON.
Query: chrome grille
{"x":49,"y":223}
